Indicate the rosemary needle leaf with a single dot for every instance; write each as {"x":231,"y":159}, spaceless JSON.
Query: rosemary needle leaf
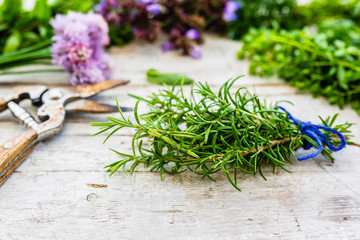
{"x":208,"y":132}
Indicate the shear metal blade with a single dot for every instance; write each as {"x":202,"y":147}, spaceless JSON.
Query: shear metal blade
{"x":88,"y":106}
{"x":92,"y":89}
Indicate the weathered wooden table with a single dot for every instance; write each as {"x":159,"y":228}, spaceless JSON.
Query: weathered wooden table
{"x":62,"y":190}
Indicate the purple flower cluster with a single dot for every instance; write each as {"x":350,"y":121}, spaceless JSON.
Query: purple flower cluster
{"x":152,"y":6}
{"x":105,"y":7}
{"x":192,"y":34}
{"x":78,"y":46}
{"x":183,"y":21}
{"x":229,"y":14}
{"x":195,"y":52}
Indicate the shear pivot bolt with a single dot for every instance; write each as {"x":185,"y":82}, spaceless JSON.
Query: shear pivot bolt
{"x":55,"y":94}
{"x":8,"y":145}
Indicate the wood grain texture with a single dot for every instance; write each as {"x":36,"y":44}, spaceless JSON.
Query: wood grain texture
{"x":2,"y":104}
{"x":14,"y":151}
{"x":62,"y":190}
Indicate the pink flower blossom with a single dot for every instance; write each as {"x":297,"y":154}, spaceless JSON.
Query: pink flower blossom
{"x":78,"y":46}
{"x":79,"y":53}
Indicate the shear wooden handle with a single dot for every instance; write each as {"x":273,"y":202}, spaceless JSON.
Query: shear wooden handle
{"x":14,"y":151}
{"x":3,"y":104}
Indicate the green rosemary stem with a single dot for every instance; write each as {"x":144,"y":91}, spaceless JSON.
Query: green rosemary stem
{"x":32,"y":71}
{"x":34,"y":54}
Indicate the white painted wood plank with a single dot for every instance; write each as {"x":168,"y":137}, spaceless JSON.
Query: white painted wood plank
{"x":289,"y":206}
{"x":62,"y":190}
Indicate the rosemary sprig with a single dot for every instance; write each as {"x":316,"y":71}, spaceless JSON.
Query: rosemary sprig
{"x":210,"y":132}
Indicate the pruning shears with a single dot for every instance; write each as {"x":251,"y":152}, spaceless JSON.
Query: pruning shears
{"x":51,"y":112}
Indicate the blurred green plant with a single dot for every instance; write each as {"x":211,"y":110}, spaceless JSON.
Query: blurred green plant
{"x":64,"y":6}
{"x":325,"y":63}
{"x":290,"y":15}
{"x":317,"y":11}
{"x":20,"y":28}
{"x":261,"y":13}
{"x":341,"y":29}
{"x":120,"y":35}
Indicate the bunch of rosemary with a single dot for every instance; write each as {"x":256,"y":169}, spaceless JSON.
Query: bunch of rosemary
{"x":210,"y":132}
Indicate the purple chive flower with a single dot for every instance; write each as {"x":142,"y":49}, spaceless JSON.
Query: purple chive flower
{"x":101,"y":7}
{"x":103,"y":4}
{"x":112,"y":3}
{"x":83,"y":75}
{"x":97,"y":8}
{"x":78,"y":46}
{"x":107,"y":8}
{"x":112,"y":18}
{"x":230,"y":9}
{"x":154,"y":8}
{"x":167,"y":46}
{"x":192,"y":34}
{"x":195,"y":52}
{"x":145,"y":2}
{"x":79,"y":53}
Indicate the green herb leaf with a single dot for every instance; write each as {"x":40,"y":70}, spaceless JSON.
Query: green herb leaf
{"x":341,"y":77}
{"x":157,"y":77}
{"x":42,"y":11}
{"x":318,"y":63}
